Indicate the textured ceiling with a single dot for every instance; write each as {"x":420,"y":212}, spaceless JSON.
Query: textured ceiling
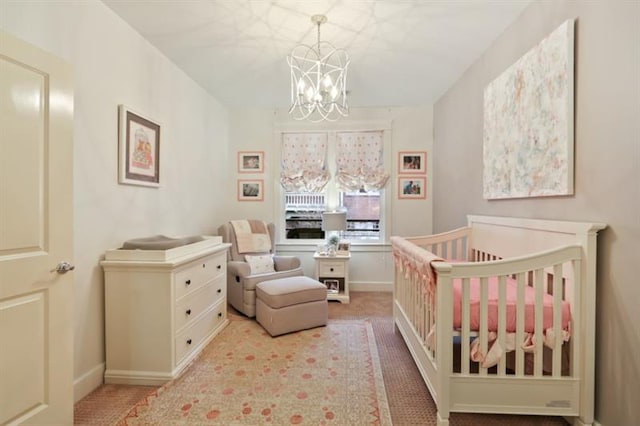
{"x":402,"y":52}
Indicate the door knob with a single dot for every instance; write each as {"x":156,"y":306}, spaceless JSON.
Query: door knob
{"x":63,"y":267}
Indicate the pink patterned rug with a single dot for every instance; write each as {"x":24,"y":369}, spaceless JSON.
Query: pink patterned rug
{"x":324,"y":376}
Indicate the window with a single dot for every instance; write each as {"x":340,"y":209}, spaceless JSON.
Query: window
{"x":329,"y":170}
{"x":363,"y":215}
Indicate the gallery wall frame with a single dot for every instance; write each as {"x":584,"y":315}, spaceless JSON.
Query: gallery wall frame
{"x":138,"y":148}
{"x":528,"y":141}
{"x":412,"y":162}
{"x":250,"y":161}
{"x":250,"y":189}
{"x":412,"y":187}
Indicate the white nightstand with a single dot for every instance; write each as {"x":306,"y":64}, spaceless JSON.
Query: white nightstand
{"x":333,"y":271}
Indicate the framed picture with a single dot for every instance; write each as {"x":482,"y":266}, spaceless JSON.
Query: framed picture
{"x":333,"y":286}
{"x":412,"y":187}
{"x":343,"y":248}
{"x":412,"y":162}
{"x":138,"y":149}
{"x":250,"y":190}
{"x":528,"y":139}
{"x":250,"y":161}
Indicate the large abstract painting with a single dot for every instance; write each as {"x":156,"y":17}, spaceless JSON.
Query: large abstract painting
{"x":528,"y":123}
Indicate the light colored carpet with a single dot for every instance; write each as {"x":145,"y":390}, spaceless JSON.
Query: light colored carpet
{"x":409,"y":399}
{"x":324,"y":376}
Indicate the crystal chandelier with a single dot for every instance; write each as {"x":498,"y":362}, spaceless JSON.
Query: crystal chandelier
{"x":318,"y":80}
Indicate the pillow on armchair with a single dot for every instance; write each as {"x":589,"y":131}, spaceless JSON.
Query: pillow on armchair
{"x":260,"y":264}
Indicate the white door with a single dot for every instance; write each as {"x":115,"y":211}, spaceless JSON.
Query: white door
{"x":36,"y":188}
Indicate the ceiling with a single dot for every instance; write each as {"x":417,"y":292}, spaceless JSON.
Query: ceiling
{"x":402,"y":52}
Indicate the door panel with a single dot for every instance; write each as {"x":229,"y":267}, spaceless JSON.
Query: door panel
{"x":21,"y":157}
{"x":36,"y":184}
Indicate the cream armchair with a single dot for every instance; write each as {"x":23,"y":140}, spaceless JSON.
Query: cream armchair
{"x":241,"y":283}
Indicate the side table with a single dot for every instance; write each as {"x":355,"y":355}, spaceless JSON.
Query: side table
{"x":333,"y":271}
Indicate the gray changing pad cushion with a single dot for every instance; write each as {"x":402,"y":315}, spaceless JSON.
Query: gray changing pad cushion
{"x":159,"y":242}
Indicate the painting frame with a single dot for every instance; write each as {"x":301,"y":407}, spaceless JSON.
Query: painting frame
{"x":250,"y":161}
{"x":528,"y":133}
{"x":412,"y":187}
{"x":343,"y":248}
{"x":333,"y":286}
{"x":250,"y":189}
{"x":412,"y":162}
{"x":138,"y":148}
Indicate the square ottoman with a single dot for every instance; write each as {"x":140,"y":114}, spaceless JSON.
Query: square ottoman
{"x":291,"y":304}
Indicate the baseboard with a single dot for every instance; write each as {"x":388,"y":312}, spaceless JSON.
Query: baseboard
{"x":88,"y":382}
{"x":575,"y":421}
{"x":369,"y":286}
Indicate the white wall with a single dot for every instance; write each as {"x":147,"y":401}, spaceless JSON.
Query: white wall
{"x":411,"y":130}
{"x":607,"y":170}
{"x":114,"y":65}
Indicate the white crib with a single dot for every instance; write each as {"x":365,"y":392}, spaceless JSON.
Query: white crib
{"x":516,"y":280}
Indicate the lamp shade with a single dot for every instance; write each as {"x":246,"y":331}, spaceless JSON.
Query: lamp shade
{"x":334,"y":221}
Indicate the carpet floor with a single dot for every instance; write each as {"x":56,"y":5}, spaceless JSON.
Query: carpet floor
{"x":408,"y":397}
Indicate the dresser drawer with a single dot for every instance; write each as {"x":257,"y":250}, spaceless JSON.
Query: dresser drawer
{"x":199,"y":273}
{"x":195,"y":303}
{"x":331,"y":269}
{"x":189,"y":339}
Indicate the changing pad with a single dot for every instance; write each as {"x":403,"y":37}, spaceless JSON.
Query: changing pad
{"x":159,"y":242}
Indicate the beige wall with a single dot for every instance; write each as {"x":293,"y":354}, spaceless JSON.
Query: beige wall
{"x":112,"y":64}
{"x":607,"y":170}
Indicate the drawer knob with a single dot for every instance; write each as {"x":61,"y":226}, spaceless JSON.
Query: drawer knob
{"x":219,"y":314}
{"x":188,"y":341}
{"x":219,"y":266}
{"x":219,"y":290}
{"x":188,"y":312}
{"x":331,"y":269}
{"x":204,"y":265}
{"x":187,"y":282}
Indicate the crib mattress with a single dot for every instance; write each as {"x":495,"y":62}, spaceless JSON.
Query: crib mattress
{"x":511,"y":304}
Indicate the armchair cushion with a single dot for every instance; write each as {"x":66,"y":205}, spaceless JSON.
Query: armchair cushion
{"x":260,"y":264}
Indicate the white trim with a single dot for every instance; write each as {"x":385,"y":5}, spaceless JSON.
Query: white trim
{"x":88,"y":382}
{"x":387,"y":193}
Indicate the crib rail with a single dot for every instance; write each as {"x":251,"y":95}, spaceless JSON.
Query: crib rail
{"x":429,"y":307}
{"x":538,"y":336}
{"x":452,"y":245}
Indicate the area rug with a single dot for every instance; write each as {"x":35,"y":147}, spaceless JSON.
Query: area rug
{"x":324,"y":376}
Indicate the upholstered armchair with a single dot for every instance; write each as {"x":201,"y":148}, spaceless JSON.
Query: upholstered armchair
{"x":241,"y":281}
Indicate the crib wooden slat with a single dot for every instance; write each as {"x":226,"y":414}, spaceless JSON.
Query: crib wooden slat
{"x":576,"y":320}
{"x":502,"y":322}
{"x":556,"y":369}
{"x":539,"y":285}
{"x":465,"y":327}
{"x":484,"y":322}
{"x":520,"y":324}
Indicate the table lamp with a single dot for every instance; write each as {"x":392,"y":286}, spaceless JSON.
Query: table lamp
{"x":333,"y":222}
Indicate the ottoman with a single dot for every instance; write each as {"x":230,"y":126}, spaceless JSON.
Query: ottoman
{"x":291,"y":304}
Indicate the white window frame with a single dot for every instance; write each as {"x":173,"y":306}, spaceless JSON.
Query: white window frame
{"x":331,"y":190}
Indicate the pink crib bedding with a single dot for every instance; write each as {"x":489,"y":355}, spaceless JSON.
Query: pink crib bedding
{"x":492,"y":305}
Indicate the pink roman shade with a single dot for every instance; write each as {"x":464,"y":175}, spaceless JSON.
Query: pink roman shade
{"x":304,"y":162}
{"x":359,"y":161}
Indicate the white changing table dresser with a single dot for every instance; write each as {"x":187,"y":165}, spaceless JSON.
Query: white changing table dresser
{"x":162,"y":307}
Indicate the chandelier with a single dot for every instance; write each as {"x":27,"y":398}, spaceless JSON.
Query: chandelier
{"x":318,"y":80}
